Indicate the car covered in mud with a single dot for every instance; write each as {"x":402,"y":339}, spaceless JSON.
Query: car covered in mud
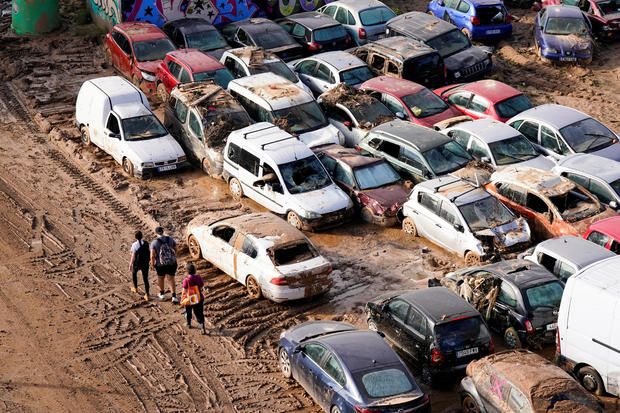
{"x":465,"y":219}
{"x":346,"y":370}
{"x":325,"y":71}
{"x":477,"y":19}
{"x":188,"y":65}
{"x":196,"y":33}
{"x":604,"y":16}
{"x":375,"y":187}
{"x":521,"y":381}
{"x":438,"y":330}
{"x":268,"y":97}
{"x":552,"y":205}
{"x":316,"y":32}
{"x":114,"y":115}
{"x":605,"y":233}
{"x":487,"y":98}
{"x":201,"y":116}
{"x":403,"y":58}
{"x":463,"y":60}
{"x":497,"y":144}
{"x":409,"y":101}
{"x":563,"y":34}
{"x":518,"y":299}
{"x":262,"y":252}
{"x":278,"y":171}
{"x":135,"y":49}
{"x":561,"y":130}
{"x":353,"y":112}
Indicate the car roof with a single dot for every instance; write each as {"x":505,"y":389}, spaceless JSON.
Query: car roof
{"x":420,"y":25}
{"x":606,"y":169}
{"x":348,"y":156}
{"x":603,"y":274}
{"x":491,"y":89}
{"x":457,"y":190}
{"x":196,"y":60}
{"x":521,"y":273}
{"x":217,"y":99}
{"x":138,"y":31}
{"x":561,"y":10}
{"x":488,"y":130}
{"x":576,"y":250}
{"x":266,"y":225}
{"x":486,"y":2}
{"x":191,"y":25}
{"x":119,"y":90}
{"x":313,"y":19}
{"x":392,"y":85}
{"x":544,"y":182}
{"x":277,"y":144}
{"x":439,"y":304}
{"x":131,"y":110}
{"x":273,"y":90}
{"x":253,"y":55}
{"x":338,"y":59}
{"x":256,"y":24}
{"x":357,"y":4}
{"x":609,"y":226}
{"x":557,"y":116}
{"x":421,"y":137}
{"x":400,"y":46}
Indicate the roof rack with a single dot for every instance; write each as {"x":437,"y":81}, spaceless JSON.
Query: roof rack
{"x":245,"y":134}
{"x":279,"y":140}
{"x":474,"y":186}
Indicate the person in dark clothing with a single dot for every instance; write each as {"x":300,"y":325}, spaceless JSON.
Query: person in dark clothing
{"x":164,"y":259}
{"x":194,"y":279}
{"x":140,"y":256}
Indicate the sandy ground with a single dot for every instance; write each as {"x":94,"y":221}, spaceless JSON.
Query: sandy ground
{"x":73,"y":337}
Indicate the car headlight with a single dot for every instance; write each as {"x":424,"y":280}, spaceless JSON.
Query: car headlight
{"x":182,"y":158}
{"x":457,"y":75}
{"x":550,"y":50}
{"x":148,"y":76}
{"x":148,"y":164}
{"x":309,"y":214}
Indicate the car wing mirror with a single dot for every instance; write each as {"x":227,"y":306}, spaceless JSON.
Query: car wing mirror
{"x":485,"y":159}
{"x":112,"y":134}
{"x":400,"y":115}
{"x":299,"y":349}
{"x":380,"y":333}
{"x":459,"y":227}
{"x":613,"y":204}
{"x":348,"y":124}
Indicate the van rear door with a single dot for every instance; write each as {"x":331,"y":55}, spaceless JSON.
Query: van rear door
{"x":612,"y":381}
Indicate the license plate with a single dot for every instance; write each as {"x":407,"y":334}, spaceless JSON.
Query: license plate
{"x":494,"y":31}
{"x":552,"y":326}
{"x":166,"y":168}
{"x":568,"y":58}
{"x":467,"y":352}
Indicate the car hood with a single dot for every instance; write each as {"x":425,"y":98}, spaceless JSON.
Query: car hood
{"x":466,"y":58}
{"x":315,"y":328}
{"x":610,"y":152}
{"x":326,"y":134}
{"x":160,"y":149}
{"x":509,"y":234}
{"x":149,"y":66}
{"x":449,"y":113}
{"x":391,"y":196}
{"x":324,"y":200}
{"x":567,"y":42}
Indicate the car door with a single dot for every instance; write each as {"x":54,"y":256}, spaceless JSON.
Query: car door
{"x":417,"y":170}
{"x":112,"y":140}
{"x":305,"y":71}
{"x":376,"y":62}
{"x":339,"y":118}
{"x":427,"y":219}
{"x":298,"y":32}
{"x":195,"y":137}
{"x":308,"y":367}
{"x":171,"y":76}
{"x":248,"y":173}
{"x":480,"y":150}
{"x":415,"y":335}
{"x":331,"y":382}
{"x":323,"y":79}
{"x":450,"y":12}
{"x":500,"y":313}
{"x":270,"y":193}
{"x":539,"y":25}
{"x":448,"y":235}
{"x":220,"y":251}
{"x":396,"y":314}
{"x":553,"y":143}
{"x":461,"y":14}
{"x":395,"y":106}
{"x":461,"y":100}
{"x":343,"y":176}
{"x":244,"y":260}
{"x":123,"y":61}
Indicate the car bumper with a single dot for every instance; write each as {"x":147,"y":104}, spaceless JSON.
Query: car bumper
{"x":326,"y":221}
{"x":560,"y":57}
{"x":384,"y":221}
{"x":491,"y":32}
{"x":145,"y":173}
{"x":282,"y":294}
{"x":471,"y":72}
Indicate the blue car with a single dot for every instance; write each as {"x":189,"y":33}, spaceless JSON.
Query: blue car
{"x":477,"y":19}
{"x":564,"y":34}
{"x":346,"y":370}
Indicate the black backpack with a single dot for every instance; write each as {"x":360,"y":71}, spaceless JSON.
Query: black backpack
{"x":143,"y":254}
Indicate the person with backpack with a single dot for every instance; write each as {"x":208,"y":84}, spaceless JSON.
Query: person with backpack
{"x":193,"y":300}
{"x":140,"y":262}
{"x":164,"y":260}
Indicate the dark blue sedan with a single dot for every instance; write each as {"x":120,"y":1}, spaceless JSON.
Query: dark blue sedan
{"x":346,"y":370}
{"x":563,"y":33}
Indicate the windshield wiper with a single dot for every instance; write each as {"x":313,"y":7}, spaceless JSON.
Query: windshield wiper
{"x":596,"y":139}
{"x":508,"y":155}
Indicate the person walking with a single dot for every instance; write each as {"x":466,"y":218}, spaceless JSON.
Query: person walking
{"x":164,"y":260}
{"x":140,"y":262}
{"x":193,"y":280}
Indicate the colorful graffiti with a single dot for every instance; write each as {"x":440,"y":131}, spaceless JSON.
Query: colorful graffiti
{"x":106,"y":9}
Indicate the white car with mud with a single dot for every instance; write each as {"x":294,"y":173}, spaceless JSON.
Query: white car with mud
{"x":262,"y":252}
{"x":278,"y":171}
{"x":115,"y":115}
{"x":465,"y":219}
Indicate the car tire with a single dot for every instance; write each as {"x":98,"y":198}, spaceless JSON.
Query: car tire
{"x":194,"y":248}
{"x":469,"y":405}
{"x":285,"y":363}
{"x":253,"y":288}
{"x":367,"y":215}
{"x":427,"y":376}
{"x":335,"y":409}
{"x":372,"y":325}
{"x":234,"y":186}
{"x":293,"y":219}
{"x":127,"y":166}
{"x":471,"y":258}
{"x":85,"y":136}
{"x":207,"y":167}
{"x":409,"y":227}
{"x":511,"y":339}
{"x":162,"y":93}
{"x":591,"y":380}
{"x":466,"y":32}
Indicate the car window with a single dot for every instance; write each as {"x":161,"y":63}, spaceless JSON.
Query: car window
{"x":478,"y":150}
{"x":184,"y":76}
{"x":323,"y":73}
{"x":112,"y":125}
{"x":288,"y":26}
{"x":536,"y":204}
{"x":463,"y":7}
{"x":333,"y":369}
{"x":242,"y":37}
{"x":344,"y":175}
{"x":478,"y":104}
{"x":518,"y":402}
{"x":123,"y":43}
{"x":298,"y":30}
{"x":307,"y":67}
{"x":330,"y":10}
{"x":314,"y":352}
{"x":235,"y":67}
{"x":174,"y":68}
{"x":563,"y":270}
{"x":451,"y":4}
{"x":549,"y":140}
{"x":615,"y":247}
{"x":377,"y":15}
{"x":338,"y":114}
{"x":341,"y":16}
{"x":511,"y":192}
{"x":598,"y":238}
{"x":459,"y":98}
{"x":225,"y":233}
{"x":392,"y":68}
{"x":361,"y":53}
{"x":398,"y":309}
{"x":547,"y":261}
{"x":427,"y":200}
{"x":577,"y":178}
{"x":417,"y":322}
{"x":377,"y":62}
{"x":412,"y":158}
{"x":389,"y":148}
{"x":194,"y":124}
{"x":530,"y":130}
{"x":248,"y":162}
{"x":181,"y":111}
{"x":328,"y":162}
{"x":506,"y":295}
{"x":248,"y":248}
{"x":351,"y":18}
{"x":393,"y":104}
{"x":460,"y":136}
{"x":447,"y":212}
{"x":234,"y":153}
{"x":601,"y":191}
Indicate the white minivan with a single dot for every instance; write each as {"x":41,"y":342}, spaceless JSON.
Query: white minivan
{"x":115,"y":115}
{"x":588,"y":334}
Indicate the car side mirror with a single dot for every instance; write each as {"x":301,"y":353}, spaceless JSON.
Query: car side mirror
{"x":459,"y":227}
{"x":298,"y":349}
{"x":485,"y":159}
{"x":112,"y":134}
{"x":613,"y":204}
{"x":400,"y":115}
{"x":380,"y":333}
{"x":348,"y":124}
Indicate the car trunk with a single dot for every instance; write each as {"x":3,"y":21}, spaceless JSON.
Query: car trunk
{"x":491,"y":15}
{"x":288,"y":52}
{"x":427,"y":70}
{"x":331,"y":38}
{"x":462,"y":340}
{"x":544,"y":322}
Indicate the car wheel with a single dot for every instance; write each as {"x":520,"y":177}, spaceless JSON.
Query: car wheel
{"x":469,"y":405}
{"x":466,"y":32}
{"x":367,"y":214}
{"x":127,"y":166}
{"x":372,"y":325}
{"x":162,"y":92}
{"x":511,"y":339}
{"x":471,"y":258}
{"x":207,"y":167}
{"x":591,"y":380}
{"x":335,"y":409}
{"x":427,"y":376}
{"x":85,"y":136}
{"x":285,"y":363}
{"x":253,"y":288}
{"x":194,"y":248}
{"x":293,"y":219}
{"x":235,"y":189}
{"x":409,"y":227}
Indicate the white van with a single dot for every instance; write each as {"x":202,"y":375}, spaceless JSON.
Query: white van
{"x":588,"y":334}
{"x":115,"y":115}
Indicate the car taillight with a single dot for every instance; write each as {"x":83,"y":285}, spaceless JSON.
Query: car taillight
{"x":508,"y":18}
{"x":475,"y":21}
{"x":315,"y":46}
{"x":358,"y":148}
{"x":362,"y":33}
{"x":359,"y":409}
{"x":528,"y":327}
{"x":491,"y":347}
{"x":437,"y":358}
{"x":279,"y":281}
{"x":558,"y":347}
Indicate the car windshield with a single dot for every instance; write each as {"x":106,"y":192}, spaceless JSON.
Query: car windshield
{"x":449,"y":43}
{"x":424,"y":103}
{"x":142,"y":127}
{"x":304,"y":175}
{"x":375,"y":176}
{"x":205,"y":41}
{"x":356,"y":75}
{"x":372,"y":112}
{"x":220,"y":76}
{"x":565,"y":25}
{"x":301,"y":118}
{"x":513,"y":106}
{"x":485,"y":213}
{"x":291,"y":254}
{"x":279,"y":68}
{"x":385,"y":382}
{"x":608,"y":7}
{"x":149,"y":50}
{"x":377,"y":15}
{"x":512,"y":150}
{"x":575,"y":205}
{"x":588,"y":135}
{"x":329,"y":33}
{"x":447,"y":158}
{"x":545,"y":295}
{"x":460,"y":333}
{"x":273,"y":39}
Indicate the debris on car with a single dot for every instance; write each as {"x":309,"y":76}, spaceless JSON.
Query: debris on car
{"x":368,"y":110}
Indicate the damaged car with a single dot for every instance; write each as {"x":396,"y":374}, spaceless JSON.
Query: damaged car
{"x":262,"y":252}
{"x":518,"y":299}
{"x":604,"y":16}
{"x":552,"y":205}
{"x":465,"y":219}
{"x":520,"y":381}
{"x":196,"y":33}
{"x":605,"y":233}
{"x":201,"y":116}
{"x":375,"y":187}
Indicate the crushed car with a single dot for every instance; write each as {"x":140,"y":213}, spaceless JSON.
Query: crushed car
{"x":316,"y":32}
{"x":605,"y":233}
{"x":604,"y":16}
{"x":196,"y":33}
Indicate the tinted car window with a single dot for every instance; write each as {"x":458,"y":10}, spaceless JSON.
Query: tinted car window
{"x":298,"y":30}
{"x":332,"y":367}
{"x":174,"y":68}
{"x":601,"y":191}
{"x":184,"y":76}
{"x":307,"y":67}
{"x":399,"y":309}
{"x":324,"y":73}
{"x":478,"y":104}
{"x":149,"y":50}
{"x":447,"y":212}
{"x":378,"y":15}
{"x":507,"y":296}
{"x":429,"y":202}
{"x":598,"y":238}
{"x":417,"y":322}
{"x":513,"y":106}
{"x":273,"y":39}
{"x":384,"y":383}
{"x":544,"y":295}
{"x":413,"y":159}
{"x":329,"y":163}
{"x":329,"y":33}
{"x":249,"y":162}
{"x":530,"y":130}
{"x":341,"y":16}
{"x":314,"y":351}
{"x":249,"y":248}
{"x":459,"y":333}
{"x":207,"y":40}
{"x":463,"y":7}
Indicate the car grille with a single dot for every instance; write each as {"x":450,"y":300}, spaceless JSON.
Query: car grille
{"x":471,"y":70}
{"x":168,"y":162}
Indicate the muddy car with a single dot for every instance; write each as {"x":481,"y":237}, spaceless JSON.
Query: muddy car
{"x":353,"y":112}
{"x":316,"y":32}
{"x":552,"y":205}
{"x":464,"y":219}
{"x":604,"y":16}
{"x":200,"y":116}
{"x":364,"y":21}
{"x":196,"y":33}
{"x":376,"y":189}
{"x":262,"y":252}
{"x":518,"y":299}
{"x":521,"y":381}
{"x":605,"y":233}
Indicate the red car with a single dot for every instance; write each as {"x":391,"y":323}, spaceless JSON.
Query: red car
{"x":605,"y":233}
{"x":409,"y":100}
{"x":136,"y":49}
{"x":604,"y":15}
{"x":485,"y":99}
{"x":189,"y":65}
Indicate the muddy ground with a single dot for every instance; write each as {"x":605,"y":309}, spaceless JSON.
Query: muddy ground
{"x":72,"y":335}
